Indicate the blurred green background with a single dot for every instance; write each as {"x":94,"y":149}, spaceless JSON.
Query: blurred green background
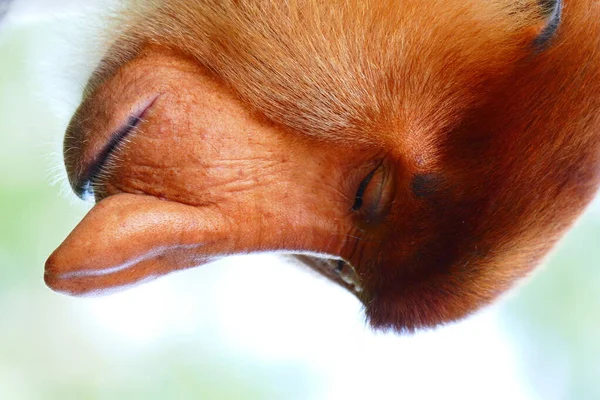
{"x":246,"y":328}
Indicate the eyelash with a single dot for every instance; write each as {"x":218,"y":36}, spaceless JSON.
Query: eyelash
{"x":358,"y":200}
{"x":98,"y":167}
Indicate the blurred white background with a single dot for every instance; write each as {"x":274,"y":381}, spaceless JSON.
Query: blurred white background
{"x":243,"y":328}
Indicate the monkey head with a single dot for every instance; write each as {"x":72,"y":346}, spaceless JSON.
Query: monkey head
{"x":423,"y":155}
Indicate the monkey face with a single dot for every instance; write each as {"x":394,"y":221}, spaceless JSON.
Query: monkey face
{"x":239,"y":182}
{"x":426,"y":185}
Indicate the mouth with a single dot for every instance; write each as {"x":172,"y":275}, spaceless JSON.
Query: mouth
{"x":339,"y":271}
{"x":83,"y":185}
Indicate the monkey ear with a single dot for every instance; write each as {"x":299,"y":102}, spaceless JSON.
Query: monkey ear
{"x":552,"y":9}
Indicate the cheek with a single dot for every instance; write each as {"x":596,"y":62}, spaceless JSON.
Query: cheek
{"x":155,"y":161}
{"x":200,"y":167}
{"x":429,"y":226}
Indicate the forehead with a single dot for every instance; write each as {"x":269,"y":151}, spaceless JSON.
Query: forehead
{"x":119,"y":53}
{"x":337,"y":69}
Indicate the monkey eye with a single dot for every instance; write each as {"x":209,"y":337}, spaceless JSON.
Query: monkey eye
{"x":85,"y":189}
{"x":374,"y":194}
{"x":84,"y":184}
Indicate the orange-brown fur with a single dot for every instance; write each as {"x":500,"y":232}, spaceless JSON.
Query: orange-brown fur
{"x":343,"y":69}
{"x":506,"y":136}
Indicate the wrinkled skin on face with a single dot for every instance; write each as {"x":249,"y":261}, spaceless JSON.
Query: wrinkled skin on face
{"x":426,"y":178}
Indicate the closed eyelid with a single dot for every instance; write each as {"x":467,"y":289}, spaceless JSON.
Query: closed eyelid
{"x":358,"y":202}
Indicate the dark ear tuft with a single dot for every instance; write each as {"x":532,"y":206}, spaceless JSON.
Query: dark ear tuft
{"x":553,"y":9}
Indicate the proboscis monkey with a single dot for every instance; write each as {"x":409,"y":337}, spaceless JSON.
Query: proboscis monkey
{"x":425,"y":155}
